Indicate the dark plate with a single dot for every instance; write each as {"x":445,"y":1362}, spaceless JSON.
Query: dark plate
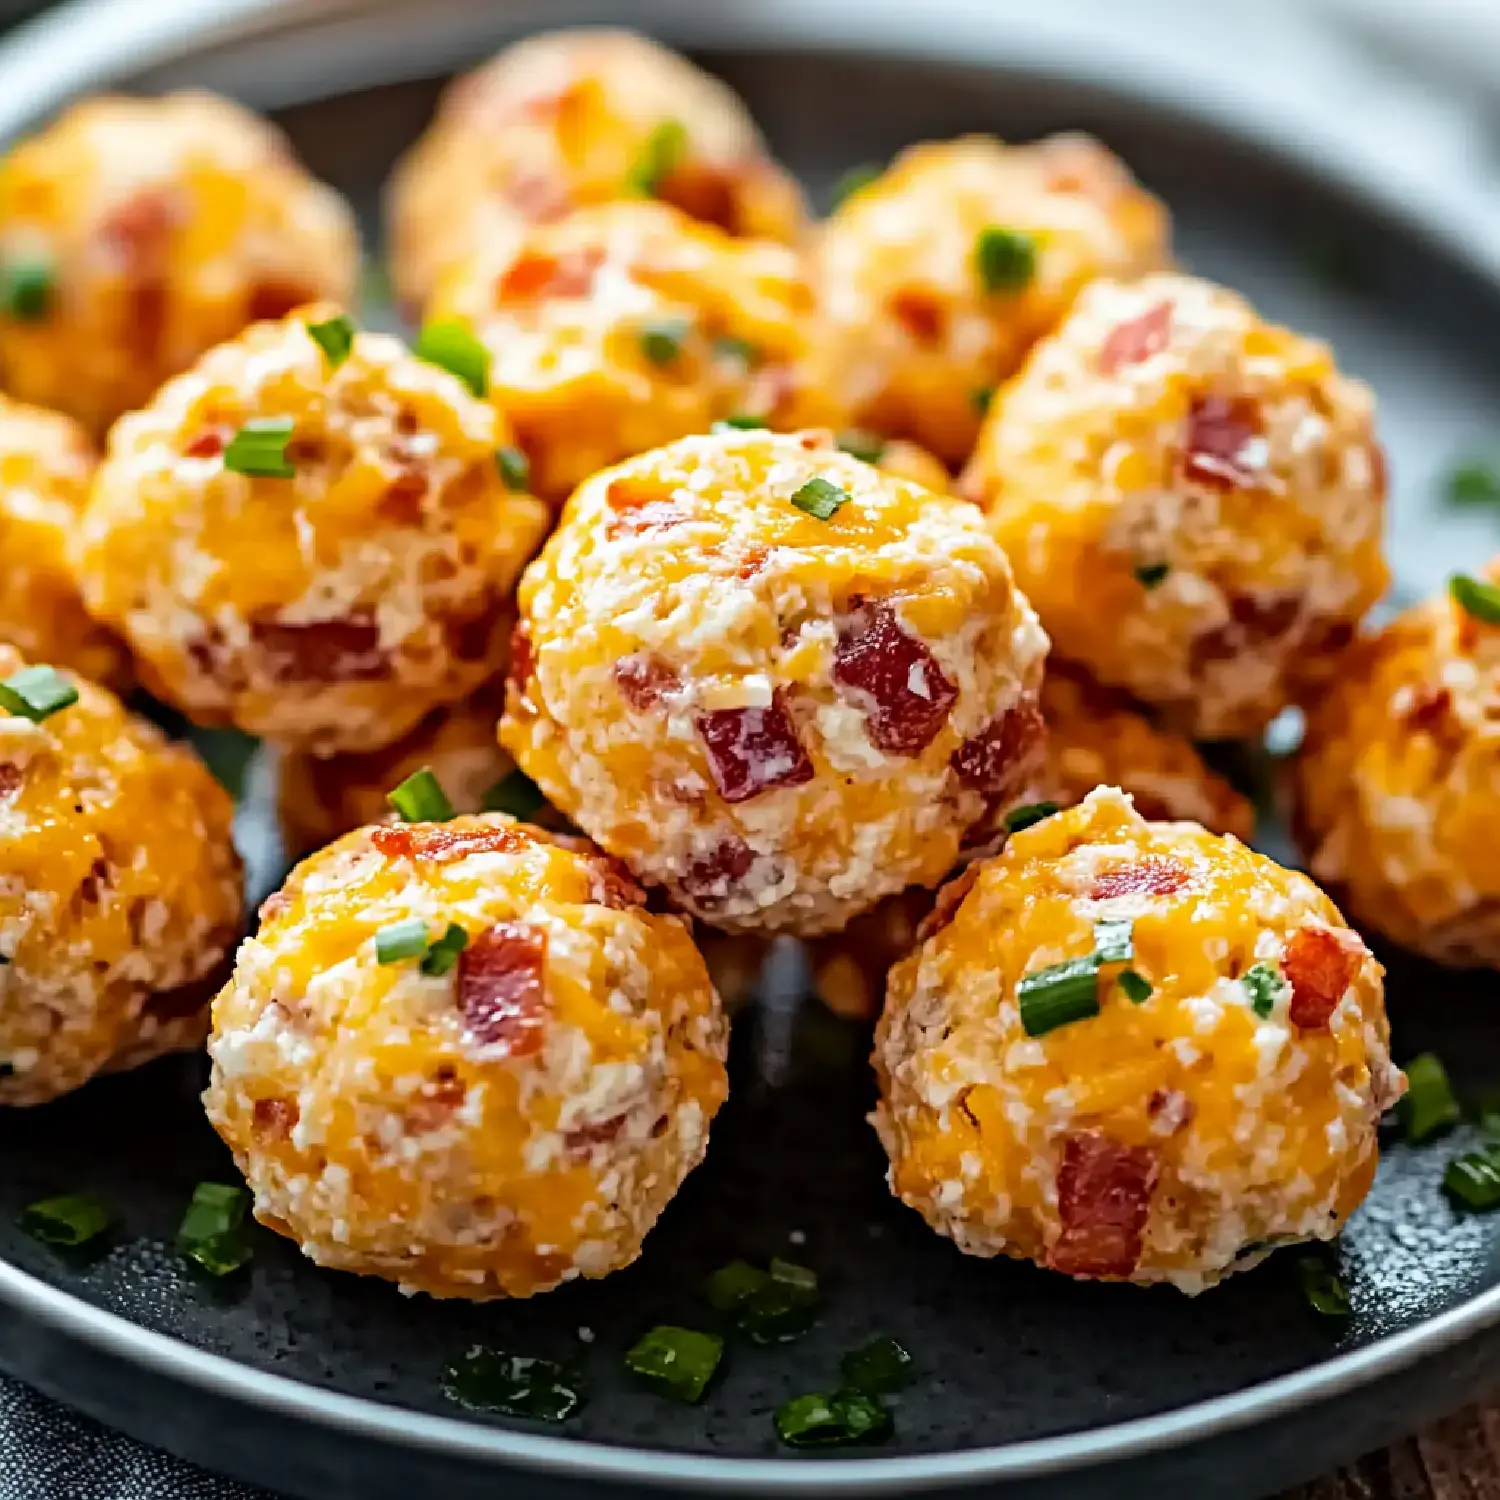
{"x":329,"y":1385}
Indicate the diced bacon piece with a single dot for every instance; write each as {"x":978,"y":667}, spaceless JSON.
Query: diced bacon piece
{"x":753,"y":750}
{"x":1255,"y":621}
{"x":998,"y":760}
{"x":522,"y":659}
{"x":209,"y":443}
{"x":270,"y":300}
{"x":614,"y":885}
{"x":273,"y":1119}
{"x":949,"y":899}
{"x":581,"y":1140}
{"x":920,"y":313}
{"x":1224,"y":448}
{"x":711,"y":877}
{"x":1152,"y":875}
{"x":10,"y":779}
{"x":346,"y":650}
{"x":1103,"y":1200}
{"x":636,"y":507}
{"x":445,"y":842}
{"x":1429,"y":708}
{"x":402,"y":501}
{"x":896,"y":679}
{"x":1320,"y":965}
{"x":645,"y":679}
{"x":702,"y":192}
{"x":532,"y":274}
{"x":1134,"y":342}
{"x":502,"y":988}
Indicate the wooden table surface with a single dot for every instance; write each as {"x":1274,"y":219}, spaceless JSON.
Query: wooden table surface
{"x":1458,"y":1459}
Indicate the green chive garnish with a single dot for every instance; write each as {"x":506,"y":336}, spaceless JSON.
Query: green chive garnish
{"x":1033,"y":812}
{"x":399,"y":940}
{"x":820,"y":498}
{"x":824,"y":1421}
{"x":26,"y":289}
{"x":1059,"y":994}
{"x":1325,"y":1293}
{"x":421,"y":799}
{"x":516,"y":794}
{"x":1429,"y":1106}
{"x":36,"y":693}
{"x":258,"y":449}
{"x":1113,"y":941}
{"x":1136,"y":986}
{"x":660,"y":156}
{"x":68,"y":1222}
{"x":1474,"y":483}
{"x":210,"y":1234}
{"x":733,"y":1285}
{"x":738,"y":424}
{"x":335,"y":337}
{"x":514,"y":1385}
{"x":1476,"y":598}
{"x":880,"y":1366}
{"x":855,"y":180}
{"x":1152,"y":575}
{"x":738,"y":351}
{"x":1005,"y":259}
{"x":451,"y":345}
{"x":443,"y":954}
{"x":789,"y":1273}
{"x":661,"y":339}
{"x":980,"y":398}
{"x":869,"y":447}
{"x":676,"y":1362}
{"x":1264,"y":986}
{"x":1473,"y":1180}
{"x":514,"y":467}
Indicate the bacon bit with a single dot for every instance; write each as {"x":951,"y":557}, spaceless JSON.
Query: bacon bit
{"x":1153,"y":875}
{"x":949,"y":899}
{"x":708,"y":194}
{"x":614,"y":885}
{"x":582,"y":1139}
{"x":658,"y":515}
{"x":433,"y":1107}
{"x":10,"y":779}
{"x":443,"y":842}
{"x":997,"y":760}
{"x":1171,"y":1111}
{"x":402,"y":501}
{"x":711,"y":878}
{"x":752,"y":560}
{"x":345,"y":650}
{"x":1223,"y":443}
{"x":209,"y":443}
{"x":502,"y":988}
{"x":1320,"y":964}
{"x":753,"y":750}
{"x":897,"y":680}
{"x":920,"y":313}
{"x":522,"y":658}
{"x":645,"y":679}
{"x":269,"y":301}
{"x":273,"y":1119}
{"x":1428,"y":711}
{"x":1103,"y":1199}
{"x":1135,"y":342}
{"x":533,"y":274}
{"x":1253,"y":622}
{"x":137,"y":236}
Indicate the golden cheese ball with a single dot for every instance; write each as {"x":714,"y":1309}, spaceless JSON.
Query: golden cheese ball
{"x":1209,"y":1088}
{"x":330,"y":610}
{"x":1094,"y":738}
{"x":137,"y":233}
{"x":938,"y":277}
{"x":46,"y":463}
{"x":1194,"y":499}
{"x":772,"y":679}
{"x":120,"y":895}
{"x":464,"y":1057}
{"x":1398,"y":778}
{"x":568,"y":119}
{"x":628,"y":325}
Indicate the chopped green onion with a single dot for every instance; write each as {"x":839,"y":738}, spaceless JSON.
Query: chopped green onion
{"x":1321,"y":1286}
{"x":1152,"y":575}
{"x":68,"y":1223}
{"x":1265,"y":986}
{"x":799,"y":1278}
{"x":881,"y":1365}
{"x":1136,"y":986}
{"x":1476,"y":598}
{"x":1475,"y":483}
{"x":676,"y":1361}
{"x":1429,"y":1106}
{"x":1004,"y":258}
{"x":783,"y":1308}
{"x":210,"y":1233}
{"x":399,"y":940}
{"x":823,"y":1421}
{"x":662,"y":338}
{"x":866,"y":446}
{"x":1113,"y":941}
{"x":36,"y":693}
{"x":730,"y":1287}
{"x":515,"y":468}
{"x":258,"y":449}
{"x":516,"y":794}
{"x":660,"y":156}
{"x":451,"y":345}
{"x":1473,"y":1179}
{"x":335,"y":337}
{"x":27,"y":286}
{"x":443,"y":954}
{"x":514,"y":1385}
{"x":738,"y":424}
{"x":820,"y":498}
{"x":737,"y":350}
{"x":1025,"y":817}
{"x":1059,"y":994}
{"x":980,"y":398}
{"x":855,"y":180}
{"x":421,"y":799}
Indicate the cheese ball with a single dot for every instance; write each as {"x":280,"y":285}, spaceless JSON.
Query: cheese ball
{"x":1198,"y":1082}
{"x":1398,"y":781}
{"x":46,"y":463}
{"x":137,"y":233}
{"x":938,"y":277}
{"x":1094,"y":738}
{"x":1193,"y":498}
{"x":568,"y":119}
{"x":120,"y":894}
{"x":778,"y":714}
{"x":628,"y":325}
{"x":490,"y":1116}
{"x":333,"y":609}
